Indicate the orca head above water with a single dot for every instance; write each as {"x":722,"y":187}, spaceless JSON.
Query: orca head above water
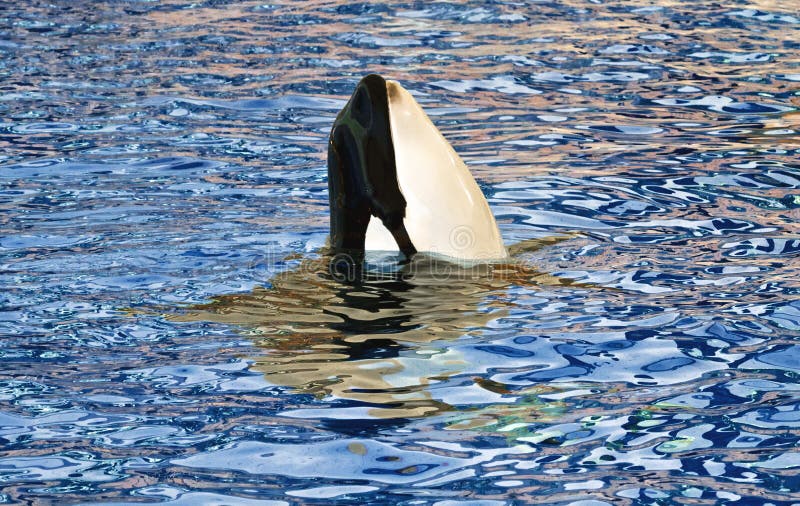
{"x":396,"y":184}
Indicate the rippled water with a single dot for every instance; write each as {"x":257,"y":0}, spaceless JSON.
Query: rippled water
{"x":169,"y":334}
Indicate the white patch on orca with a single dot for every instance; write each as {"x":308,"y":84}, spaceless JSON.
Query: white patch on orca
{"x":446,"y":211}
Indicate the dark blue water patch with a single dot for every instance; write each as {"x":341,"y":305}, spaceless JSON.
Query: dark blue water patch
{"x":646,"y":239}
{"x":359,"y":9}
{"x":668,"y":364}
{"x":722,"y":332}
{"x":674,"y":193}
{"x":716,"y":226}
{"x":506,"y":351}
{"x":406,"y":471}
{"x":631,"y":130}
{"x":719,"y":104}
{"x":203,"y":254}
{"x":647,"y":49}
{"x":32,"y":128}
{"x":765,"y":177}
{"x":733,"y":57}
{"x":37,"y":242}
{"x":568,"y":349}
{"x":762,"y":246}
{"x":787,"y":357}
{"x":571,"y":371}
{"x":757,"y":15}
{"x":745,"y":108}
{"x":608,"y":346}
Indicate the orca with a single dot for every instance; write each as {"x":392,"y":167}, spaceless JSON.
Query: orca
{"x":396,"y":184}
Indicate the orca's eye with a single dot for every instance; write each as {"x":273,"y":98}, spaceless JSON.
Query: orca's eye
{"x":361,"y":108}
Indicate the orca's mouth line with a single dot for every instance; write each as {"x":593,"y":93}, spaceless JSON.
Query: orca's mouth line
{"x":362,"y":172}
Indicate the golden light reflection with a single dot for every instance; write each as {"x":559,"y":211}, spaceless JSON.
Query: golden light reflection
{"x":327,"y":338}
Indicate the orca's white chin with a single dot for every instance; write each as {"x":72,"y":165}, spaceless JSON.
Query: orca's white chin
{"x":396,"y":184}
{"x":446,"y":213}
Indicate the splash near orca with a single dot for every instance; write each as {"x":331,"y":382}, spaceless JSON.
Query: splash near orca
{"x":396,"y":184}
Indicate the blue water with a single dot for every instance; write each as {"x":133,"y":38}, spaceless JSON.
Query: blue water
{"x":169,"y":334}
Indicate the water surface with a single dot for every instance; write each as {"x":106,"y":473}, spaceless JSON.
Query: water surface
{"x":170,"y":335}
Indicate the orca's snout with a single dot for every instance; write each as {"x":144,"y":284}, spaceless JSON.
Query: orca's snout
{"x":395,"y":183}
{"x":362,"y":171}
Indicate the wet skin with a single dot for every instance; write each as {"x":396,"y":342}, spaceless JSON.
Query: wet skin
{"x":362,"y":175}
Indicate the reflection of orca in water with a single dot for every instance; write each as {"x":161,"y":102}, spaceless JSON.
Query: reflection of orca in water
{"x":381,"y":342}
{"x":396,"y":184}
